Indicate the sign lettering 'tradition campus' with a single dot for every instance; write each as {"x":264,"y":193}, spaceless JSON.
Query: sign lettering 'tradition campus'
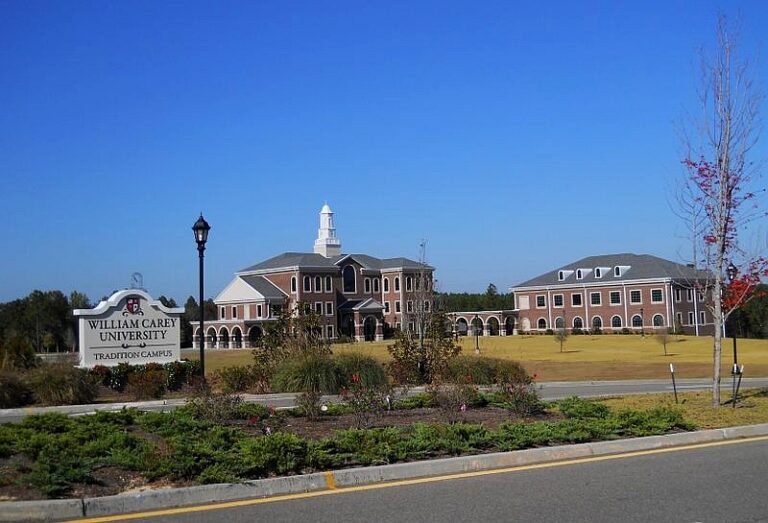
{"x":129,"y":327}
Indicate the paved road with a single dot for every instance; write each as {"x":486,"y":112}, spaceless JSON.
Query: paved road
{"x":547,"y":391}
{"x":724,"y":483}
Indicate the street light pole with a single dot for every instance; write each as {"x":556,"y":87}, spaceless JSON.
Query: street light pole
{"x":477,"y":334}
{"x":642,"y":323}
{"x":735,"y":371}
{"x":201,"y":228}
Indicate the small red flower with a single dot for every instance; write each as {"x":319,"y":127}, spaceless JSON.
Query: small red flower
{"x":253,"y":420}
{"x":355,"y":378}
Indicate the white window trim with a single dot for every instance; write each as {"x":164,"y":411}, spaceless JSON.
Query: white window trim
{"x":537,"y":301}
{"x":329,"y":307}
{"x":610,"y":301}
{"x":631,"y":302}
{"x":554,"y":301}
{"x":599,"y":299}
{"x":577,"y":294}
{"x":660,"y":291}
{"x":386,"y":307}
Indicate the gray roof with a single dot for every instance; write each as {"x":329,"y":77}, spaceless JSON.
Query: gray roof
{"x":308,"y":260}
{"x":365,"y":305}
{"x":265,"y":287}
{"x":641,"y":267}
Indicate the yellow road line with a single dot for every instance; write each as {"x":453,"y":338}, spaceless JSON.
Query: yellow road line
{"x":331,"y":483}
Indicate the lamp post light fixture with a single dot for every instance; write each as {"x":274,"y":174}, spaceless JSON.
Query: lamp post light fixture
{"x":201,"y":228}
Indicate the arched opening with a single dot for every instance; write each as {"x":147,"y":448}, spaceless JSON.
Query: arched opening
{"x":462,"y":327}
{"x":211,"y":338}
{"x":578,"y":323}
{"x":348,"y":325}
{"x":348,"y":275}
{"x":597,"y":323}
{"x":526,"y":324}
{"x":637,"y":321}
{"x":477,"y":326}
{"x":559,"y":322}
{"x":509,"y":325}
{"x":541,"y":324}
{"x":223,"y":338}
{"x":237,"y":338}
{"x":616,"y":322}
{"x":658,"y":320}
{"x":493,"y":326}
{"x":254,"y":336}
{"x":369,"y":328}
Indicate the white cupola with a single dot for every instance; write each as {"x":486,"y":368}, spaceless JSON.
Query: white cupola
{"x":327,"y":244}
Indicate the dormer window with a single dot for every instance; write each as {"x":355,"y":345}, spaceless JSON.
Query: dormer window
{"x":563,"y":274}
{"x":598,"y":272}
{"x":579,"y":274}
{"x":619,"y":270}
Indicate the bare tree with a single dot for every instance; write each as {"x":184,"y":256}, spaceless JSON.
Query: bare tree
{"x":716,"y":194}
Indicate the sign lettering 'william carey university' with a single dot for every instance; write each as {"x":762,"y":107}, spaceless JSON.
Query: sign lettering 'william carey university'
{"x":129,"y":327}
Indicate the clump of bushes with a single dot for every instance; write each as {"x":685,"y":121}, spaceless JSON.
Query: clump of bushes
{"x":13,"y":391}
{"x":60,"y":384}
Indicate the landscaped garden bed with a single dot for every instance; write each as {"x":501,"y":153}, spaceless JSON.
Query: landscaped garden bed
{"x":217,"y":439}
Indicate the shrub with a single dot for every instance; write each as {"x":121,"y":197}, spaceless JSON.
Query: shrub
{"x":313,"y":373}
{"x":175,"y":375}
{"x":522,"y":399}
{"x":238,"y":378}
{"x":417,"y":401}
{"x":100,"y":375}
{"x":61,"y":384}
{"x":17,"y":353}
{"x":509,"y":372}
{"x":366,"y":402}
{"x":13,"y":391}
{"x":214,"y":408}
{"x":281,"y":453}
{"x":578,"y":408}
{"x":471,"y":369}
{"x":147,"y":381}
{"x":453,"y":400}
{"x":191,"y":372}
{"x":118,"y":377}
{"x":370,"y":372}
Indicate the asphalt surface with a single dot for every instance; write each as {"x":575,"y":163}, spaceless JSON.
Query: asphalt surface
{"x":715,"y":484}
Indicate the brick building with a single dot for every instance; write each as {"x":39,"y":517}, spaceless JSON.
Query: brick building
{"x":356,"y":295}
{"x":612,"y":293}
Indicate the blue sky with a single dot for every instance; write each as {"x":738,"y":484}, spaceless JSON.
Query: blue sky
{"x":514,"y":137}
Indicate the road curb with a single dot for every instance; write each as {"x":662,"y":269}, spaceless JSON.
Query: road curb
{"x":56,"y":510}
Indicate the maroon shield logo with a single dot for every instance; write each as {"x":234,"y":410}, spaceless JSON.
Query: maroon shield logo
{"x":133,"y":304}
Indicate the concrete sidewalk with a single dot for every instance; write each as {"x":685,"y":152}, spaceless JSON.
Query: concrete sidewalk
{"x":56,"y":510}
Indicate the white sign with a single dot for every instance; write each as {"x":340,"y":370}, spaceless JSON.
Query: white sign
{"x":129,"y":327}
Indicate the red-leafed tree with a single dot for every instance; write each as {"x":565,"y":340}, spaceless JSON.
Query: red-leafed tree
{"x":718,"y":196}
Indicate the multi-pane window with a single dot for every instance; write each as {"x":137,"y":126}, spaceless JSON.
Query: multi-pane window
{"x":689,"y":295}
{"x":558,"y":300}
{"x":408,"y":283}
{"x":635,"y":297}
{"x":397,"y":306}
{"x":307,"y":284}
{"x":376,"y":285}
{"x":367,"y":285}
{"x":397,"y":283}
{"x":576,"y":300}
{"x":615,"y":297}
{"x":657,"y":296}
{"x":541,"y":301}
{"x":578,"y":323}
{"x":542,"y":324}
{"x":318,"y":307}
{"x":386,"y":284}
{"x":594,"y":298}
{"x":348,"y":275}
{"x":329,"y":308}
{"x":386,"y":307}
{"x":328,"y":284}
{"x":658,"y":320}
{"x":678,"y":295}
{"x":691,"y":318}
{"x":318,"y":284}
{"x":616,"y":322}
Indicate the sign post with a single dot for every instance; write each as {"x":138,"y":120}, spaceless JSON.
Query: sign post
{"x":674,"y":385}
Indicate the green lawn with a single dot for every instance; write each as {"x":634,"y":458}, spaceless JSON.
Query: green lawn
{"x":584,"y":357}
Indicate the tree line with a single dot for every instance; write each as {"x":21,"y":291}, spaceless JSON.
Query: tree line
{"x":491,"y":300}
{"x":44,"y":320}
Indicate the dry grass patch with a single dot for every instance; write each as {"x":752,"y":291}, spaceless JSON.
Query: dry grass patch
{"x":751,"y":409}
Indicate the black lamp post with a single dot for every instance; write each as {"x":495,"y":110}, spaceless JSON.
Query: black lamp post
{"x":201,"y":228}
{"x":642,"y":323}
{"x":733,"y":272}
{"x":477,"y":334}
